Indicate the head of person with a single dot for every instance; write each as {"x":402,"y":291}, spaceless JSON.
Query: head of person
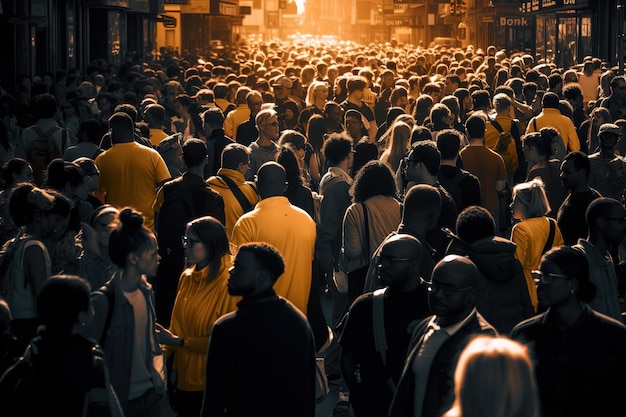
{"x":529,"y":200}
{"x":399,"y":97}
{"x":206,"y":243}
{"x":423,"y":104}
{"x":608,"y":134}
{"x":92,"y":174}
{"x":575,"y":170}
{"x":333,"y":112}
{"x":420,"y":134}
{"x":316,"y":130}
{"x":449,"y":143}
{"x":355,"y":123}
{"x":290,"y":161}
{"x":551,"y":137}
{"x":256,"y":268}
{"x":46,"y":106}
{"x":271,"y":180}
{"x":502,"y":104}
{"x":422,"y":204}
{"x":440,"y":114}
{"x":267,"y":124}
{"x":550,"y":101}
{"x":45,"y":212}
{"x":480,"y":99}
{"x":318,"y":90}
{"x":475,"y":126}
{"x":374,"y":179}
{"x":254,"y":99}
{"x":399,"y":262}
{"x":103,"y":221}
{"x":171,"y":151}
{"x":282,"y":87}
{"x":563,"y":277}
{"x":606,"y":218}
{"x":15,"y":171}
{"x":475,"y":223}
{"x":452,"y":103}
{"x":194,"y":153}
{"x":422,"y":162}
{"x":235,"y":156}
{"x":536,"y":147}
{"x":600,"y":116}
{"x":63,"y":303}
{"x":499,"y":368}
{"x":337,"y":149}
{"x":212,"y":120}
{"x":122,"y":128}
{"x":154,"y":115}
{"x":133,"y":245}
{"x":618,"y":87}
{"x":356,"y":85}
{"x":574,"y":95}
{"x":451,"y":291}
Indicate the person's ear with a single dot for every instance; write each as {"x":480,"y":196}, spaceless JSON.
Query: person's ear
{"x":133,"y":258}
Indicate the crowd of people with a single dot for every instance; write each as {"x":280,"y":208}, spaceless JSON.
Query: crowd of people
{"x":173,"y":227}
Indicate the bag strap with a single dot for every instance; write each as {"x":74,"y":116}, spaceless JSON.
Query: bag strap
{"x":550,"y":236}
{"x":108,"y":293}
{"x":367,"y":229}
{"x":535,"y":124}
{"x":495,"y":124}
{"x":243,"y":201}
{"x":378,"y":325}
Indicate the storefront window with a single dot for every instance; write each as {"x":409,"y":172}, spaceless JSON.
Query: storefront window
{"x":567,"y":48}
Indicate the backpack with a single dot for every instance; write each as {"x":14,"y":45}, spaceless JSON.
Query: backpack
{"x":453,"y":187}
{"x":11,"y":256}
{"x":180,"y":206}
{"x":42,"y":150}
{"x":22,"y":383}
{"x":508,"y":144}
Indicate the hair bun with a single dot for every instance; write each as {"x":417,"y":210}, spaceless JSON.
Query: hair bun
{"x":131,"y":219}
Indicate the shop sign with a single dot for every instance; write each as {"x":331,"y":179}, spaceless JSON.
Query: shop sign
{"x":515,"y":21}
{"x":228,"y":9}
{"x":399,"y":21}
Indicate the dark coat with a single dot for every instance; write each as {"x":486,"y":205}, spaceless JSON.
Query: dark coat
{"x":261,"y":361}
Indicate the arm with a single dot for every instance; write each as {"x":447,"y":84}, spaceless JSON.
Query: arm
{"x":332,"y":210}
{"x":524,"y":109}
{"x":573,"y":142}
{"x":351,"y":239}
{"x":35,"y":270}
{"x":219,"y":374}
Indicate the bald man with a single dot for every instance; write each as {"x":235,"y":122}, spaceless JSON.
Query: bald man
{"x":284,"y":226}
{"x":426,"y":385}
{"x":372,"y":373}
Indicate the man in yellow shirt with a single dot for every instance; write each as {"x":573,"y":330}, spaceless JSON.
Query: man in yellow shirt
{"x":130,"y":172}
{"x":284,"y":226}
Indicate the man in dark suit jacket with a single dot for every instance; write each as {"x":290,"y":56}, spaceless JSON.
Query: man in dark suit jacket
{"x":426,"y":385}
{"x":261,"y":358}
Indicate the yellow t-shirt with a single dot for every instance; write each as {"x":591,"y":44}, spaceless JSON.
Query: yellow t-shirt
{"x":290,"y":230}
{"x":156,"y":136}
{"x":129,"y":174}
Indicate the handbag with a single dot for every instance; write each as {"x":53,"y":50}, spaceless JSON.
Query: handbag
{"x":321,"y":381}
{"x":356,"y":278}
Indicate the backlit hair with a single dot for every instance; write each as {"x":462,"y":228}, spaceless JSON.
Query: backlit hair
{"x":532,"y":196}
{"x":494,"y":377}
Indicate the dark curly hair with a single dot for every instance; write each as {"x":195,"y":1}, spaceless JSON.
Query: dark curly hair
{"x":130,"y":236}
{"x":375,"y":178}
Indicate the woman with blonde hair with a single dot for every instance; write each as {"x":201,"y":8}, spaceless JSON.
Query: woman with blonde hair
{"x":397,"y":146}
{"x":535,"y":234}
{"x":494,"y":377}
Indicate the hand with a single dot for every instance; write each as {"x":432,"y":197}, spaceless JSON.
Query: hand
{"x":165,"y":336}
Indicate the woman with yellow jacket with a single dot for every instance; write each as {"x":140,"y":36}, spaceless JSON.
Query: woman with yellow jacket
{"x":535,"y":234}
{"x":201,"y":299}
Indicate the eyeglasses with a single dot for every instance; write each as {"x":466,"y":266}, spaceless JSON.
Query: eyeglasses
{"x":389,"y":258}
{"x":188,"y":242}
{"x":545,"y":277}
{"x":448,"y":289}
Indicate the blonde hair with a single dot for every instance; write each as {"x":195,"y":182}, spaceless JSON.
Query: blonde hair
{"x":310,"y":99}
{"x":494,"y":377}
{"x":533,"y":198}
{"x":397,"y":146}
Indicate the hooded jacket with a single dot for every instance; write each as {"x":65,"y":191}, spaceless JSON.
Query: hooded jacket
{"x":502,"y":296}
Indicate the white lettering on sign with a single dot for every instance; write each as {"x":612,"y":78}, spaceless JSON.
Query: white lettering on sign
{"x":513,"y":21}
{"x":569,"y":2}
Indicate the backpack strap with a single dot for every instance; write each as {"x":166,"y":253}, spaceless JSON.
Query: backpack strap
{"x":243,"y":201}
{"x":108,"y":292}
{"x":495,"y":124}
{"x":535,"y":124}
{"x":550,"y":240}
{"x":378,"y":325}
